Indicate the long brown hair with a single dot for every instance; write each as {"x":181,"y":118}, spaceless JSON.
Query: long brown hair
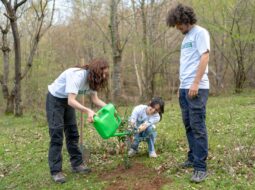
{"x":95,"y":75}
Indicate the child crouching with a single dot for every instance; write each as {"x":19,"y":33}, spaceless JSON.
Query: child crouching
{"x":144,"y":118}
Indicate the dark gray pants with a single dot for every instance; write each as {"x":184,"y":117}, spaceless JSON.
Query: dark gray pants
{"x":61,"y":120}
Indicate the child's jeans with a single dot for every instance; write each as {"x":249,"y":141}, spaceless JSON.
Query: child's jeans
{"x":149,"y":135}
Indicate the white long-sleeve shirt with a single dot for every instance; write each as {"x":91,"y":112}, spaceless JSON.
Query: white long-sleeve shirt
{"x":139,"y":116}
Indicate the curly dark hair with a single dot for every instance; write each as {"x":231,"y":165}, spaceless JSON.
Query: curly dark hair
{"x":181,"y":14}
{"x":95,"y":75}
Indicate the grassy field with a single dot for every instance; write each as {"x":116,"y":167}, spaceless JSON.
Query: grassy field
{"x":231,"y":162}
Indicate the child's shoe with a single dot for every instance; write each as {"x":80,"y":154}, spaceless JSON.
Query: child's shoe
{"x":153,"y":154}
{"x":131,"y":152}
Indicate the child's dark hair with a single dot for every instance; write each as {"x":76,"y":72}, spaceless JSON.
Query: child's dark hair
{"x":158,"y":100}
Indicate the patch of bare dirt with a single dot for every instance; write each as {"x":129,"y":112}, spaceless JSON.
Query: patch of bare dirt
{"x":138,"y":177}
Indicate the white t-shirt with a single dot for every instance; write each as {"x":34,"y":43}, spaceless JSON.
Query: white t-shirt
{"x":195,"y":43}
{"x":72,"y":80}
{"x":140,"y":116}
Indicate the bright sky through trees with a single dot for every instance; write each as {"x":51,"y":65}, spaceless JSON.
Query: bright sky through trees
{"x":63,"y":11}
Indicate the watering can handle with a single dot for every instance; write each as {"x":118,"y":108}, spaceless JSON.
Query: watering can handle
{"x":95,"y":115}
{"x":118,"y":119}
{"x":120,"y":133}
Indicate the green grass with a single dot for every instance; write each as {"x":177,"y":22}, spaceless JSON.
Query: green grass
{"x":231,"y":162}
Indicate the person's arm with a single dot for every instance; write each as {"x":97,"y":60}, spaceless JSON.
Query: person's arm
{"x":193,"y":91}
{"x":150,"y":122}
{"x":134,"y":115}
{"x":75,"y":104}
{"x":96,"y":100}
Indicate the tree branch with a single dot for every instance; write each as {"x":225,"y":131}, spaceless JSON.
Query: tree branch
{"x":225,"y":57}
{"x":7,"y":27}
{"x":51,"y":19}
{"x":39,"y":33}
{"x":17,"y":5}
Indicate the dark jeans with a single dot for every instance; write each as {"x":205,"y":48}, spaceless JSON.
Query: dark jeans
{"x":61,"y":120}
{"x":193,"y":115}
{"x":149,"y":135}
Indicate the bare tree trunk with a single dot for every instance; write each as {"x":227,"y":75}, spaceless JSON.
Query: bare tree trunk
{"x":14,"y":99}
{"x":219,"y":65}
{"x":240,"y":76}
{"x":138,"y":78}
{"x":139,"y":69}
{"x":153,"y":56}
{"x":116,"y":50}
{"x":219,"y":68}
{"x":11,"y":14}
{"x":240,"y":46}
{"x":17,"y":84}
{"x":117,"y":77}
{"x":147,"y":93}
{"x":5,"y":77}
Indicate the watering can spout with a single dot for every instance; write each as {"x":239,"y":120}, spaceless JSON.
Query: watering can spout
{"x":121,"y":134}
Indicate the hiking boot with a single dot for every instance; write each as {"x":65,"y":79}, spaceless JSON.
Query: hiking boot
{"x":186,"y":164}
{"x":198,"y":176}
{"x":81,"y":169}
{"x":131,"y":152}
{"x":59,"y":177}
{"x":153,"y":154}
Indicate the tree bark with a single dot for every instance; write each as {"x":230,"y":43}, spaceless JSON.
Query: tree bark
{"x":11,"y":15}
{"x":116,"y":51}
{"x":17,"y":83}
{"x":148,"y":90}
{"x":9,"y":97}
{"x":14,"y":99}
{"x":138,"y":78}
{"x":240,"y":77}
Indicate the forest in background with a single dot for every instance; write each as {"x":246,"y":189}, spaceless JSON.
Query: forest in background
{"x":37,"y":43}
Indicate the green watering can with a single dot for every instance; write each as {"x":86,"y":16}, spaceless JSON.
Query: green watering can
{"x":107,"y":121}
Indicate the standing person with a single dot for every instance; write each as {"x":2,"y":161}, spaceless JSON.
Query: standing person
{"x":144,"y":118}
{"x":60,"y":107}
{"x":194,"y":86}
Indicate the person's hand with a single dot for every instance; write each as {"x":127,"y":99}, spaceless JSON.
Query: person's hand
{"x":193,"y":91}
{"x":130,"y":127}
{"x":90,"y":118}
{"x":131,"y":124}
{"x":142,"y":128}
